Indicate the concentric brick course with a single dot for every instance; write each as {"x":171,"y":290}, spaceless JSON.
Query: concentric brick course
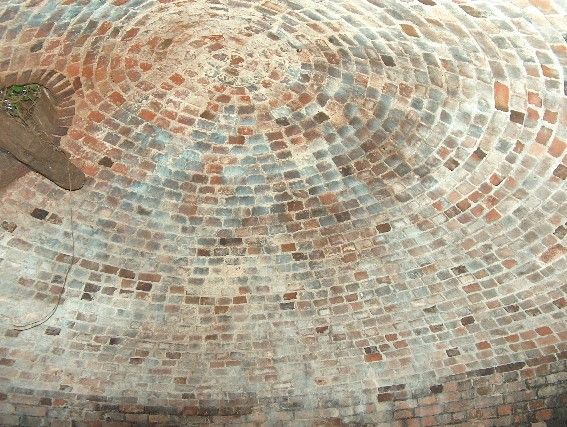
{"x":304,"y":212}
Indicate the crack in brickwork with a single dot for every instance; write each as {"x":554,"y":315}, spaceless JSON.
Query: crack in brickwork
{"x":298,"y":212}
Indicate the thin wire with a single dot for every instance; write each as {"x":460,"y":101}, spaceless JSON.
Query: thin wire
{"x":36,"y":323}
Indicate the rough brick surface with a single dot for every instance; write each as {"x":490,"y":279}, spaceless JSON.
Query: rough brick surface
{"x":315,"y":212}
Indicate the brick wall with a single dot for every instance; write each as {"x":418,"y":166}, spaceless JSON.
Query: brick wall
{"x":296,"y":213}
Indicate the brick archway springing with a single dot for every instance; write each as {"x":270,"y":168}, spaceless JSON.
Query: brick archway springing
{"x":49,"y":161}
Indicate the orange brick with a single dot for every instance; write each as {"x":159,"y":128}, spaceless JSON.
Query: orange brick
{"x":534,"y":99}
{"x":288,"y":247}
{"x":557,"y":147}
{"x":543,"y":135}
{"x":147,"y":115}
{"x":549,"y":72}
{"x":501,"y":96}
{"x":493,"y":215}
{"x":541,"y":4}
{"x":550,"y":116}
{"x":177,"y":79}
{"x":73,"y":70}
{"x":409,"y":30}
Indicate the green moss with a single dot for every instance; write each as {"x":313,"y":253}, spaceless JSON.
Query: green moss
{"x":19,"y":100}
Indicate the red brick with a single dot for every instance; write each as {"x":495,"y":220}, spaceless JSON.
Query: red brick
{"x":553,"y":253}
{"x":96,"y":116}
{"x":116,"y":98}
{"x":149,"y":277}
{"x":544,"y":330}
{"x":544,"y":415}
{"x":374,"y":357}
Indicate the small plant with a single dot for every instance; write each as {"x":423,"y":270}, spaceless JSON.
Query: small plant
{"x":19,"y":100}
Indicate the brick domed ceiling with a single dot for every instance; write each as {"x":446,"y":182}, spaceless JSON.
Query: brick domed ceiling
{"x":295,"y":212}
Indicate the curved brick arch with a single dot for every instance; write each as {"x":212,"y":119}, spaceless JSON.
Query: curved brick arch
{"x":59,"y":86}
{"x":301,"y":212}
{"x":47,"y":159}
